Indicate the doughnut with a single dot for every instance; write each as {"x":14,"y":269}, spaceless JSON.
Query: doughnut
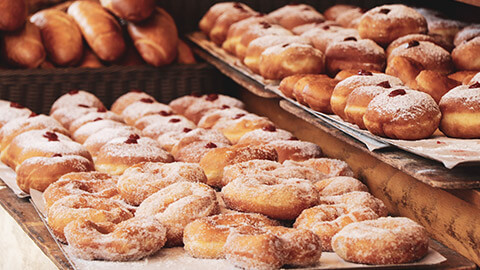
{"x":358,"y":100}
{"x":236,"y":31}
{"x":129,"y":240}
{"x":468,"y":33}
{"x":388,"y":240}
{"x":214,"y":162}
{"x":350,"y":18}
{"x":274,"y":197}
{"x":402,"y":114}
{"x":466,"y":55}
{"x":90,"y":128}
{"x":460,"y":109}
{"x":139,"y":109}
{"x":339,"y":185}
{"x":12,"y":111}
{"x":67,"y":115}
{"x":327,"y":220}
{"x":120,"y":153}
{"x":440,"y":26}
{"x":354,"y":199}
{"x":293,"y":15}
{"x":257,"y":46}
{"x":208,"y":20}
{"x":315,"y":90}
{"x":101,"y":137}
{"x":334,"y":11}
{"x":464,"y":76}
{"x":141,"y":180}
{"x":328,"y":166}
{"x":127,"y":99}
{"x":287,"y":59}
{"x":152,"y":119}
{"x":100,"y":114}
{"x":427,"y":54}
{"x":418,"y":37}
{"x":205,"y":237}
{"x":78,"y":207}
{"x":39,"y":172}
{"x":90,"y":184}
{"x":265,"y":135}
{"x":321,"y":38}
{"x":193,"y":145}
{"x":287,"y":84}
{"x":475,"y":78}
{"x":177,"y":205}
{"x":168,"y":140}
{"x":296,"y":150}
{"x":384,"y":24}
{"x":41,"y":143}
{"x":434,"y":84}
{"x":236,"y":13}
{"x":405,"y":69}
{"x":167,"y":124}
{"x":34,"y":122}
{"x":344,"y":88}
{"x":299,"y":30}
{"x":75,"y":98}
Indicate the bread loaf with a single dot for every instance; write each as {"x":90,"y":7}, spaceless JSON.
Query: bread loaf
{"x":12,"y":14}
{"x":24,"y":48}
{"x":130,"y":10}
{"x":90,"y":60}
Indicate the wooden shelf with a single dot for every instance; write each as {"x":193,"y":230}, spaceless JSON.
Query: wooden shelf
{"x":470,"y":2}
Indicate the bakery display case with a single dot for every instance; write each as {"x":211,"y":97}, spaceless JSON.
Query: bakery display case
{"x":270,"y":128}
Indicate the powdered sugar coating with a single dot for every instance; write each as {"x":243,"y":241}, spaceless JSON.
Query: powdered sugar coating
{"x":208,"y":102}
{"x":265,"y":136}
{"x":366,"y":47}
{"x":296,"y":150}
{"x":397,"y":12}
{"x":469,"y":98}
{"x":66,"y":115}
{"x":8,"y":113}
{"x":94,"y":116}
{"x":74,"y":98}
{"x":327,"y":166}
{"x":128,"y":98}
{"x":140,"y":108}
{"x":90,"y":128}
{"x":355,"y":81}
{"x":428,"y":54}
{"x":466,"y":34}
{"x":194,"y":145}
{"x":101,"y":137}
{"x":355,"y":199}
{"x":279,"y":49}
{"x":166,"y":124}
{"x":151,"y":119}
{"x":293,"y":15}
{"x":475,"y":78}
{"x":267,"y":41}
{"x":321,"y":38}
{"x":339,"y":185}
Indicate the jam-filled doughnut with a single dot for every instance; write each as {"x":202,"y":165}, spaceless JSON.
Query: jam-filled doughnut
{"x":293,"y":15}
{"x":236,"y":31}
{"x":460,"y":109}
{"x":315,"y":90}
{"x":100,"y":114}
{"x":339,"y":185}
{"x":131,"y":239}
{"x":126,"y":99}
{"x":146,"y":178}
{"x":11,"y":110}
{"x":466,"y":55}
{"x":75,"y":98}
{"x":468,"y":33}
{"x":384,"y":24}
{"x":358,"y":100}
{"x":321,"y":38}
{"x":296,"y":150}
{"x":238,"y":12}
{"x":402,"y":114}
{"x":334,"y":11}
{"x":208,"y":20}
{"x":287,"y":84}
{"x":85,"y":131}
{"x":167,"y":124}
{"x":67,"y":115}
{"x":152,"y":119}
{"x":418,"y":37}
{"x":388,"y":240}
{"x":265,"y":135}
{"x":177,"y":205}
{"x":101,"y":137}
{"x":355,"y":199}
{"x":434,"y":83}
{"x":120,"y":153}
{"x":350,"y":18}
{"x":439,"y":25}
{"x":299,"y":30}
{"x":139,"y":109}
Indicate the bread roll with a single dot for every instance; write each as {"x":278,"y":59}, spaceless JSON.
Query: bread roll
{"x":24,"y":48}
{"x":90,"y":60}
{"x":12,"y":14}
{"x":156,"y":39}
{"x":130,"y":10}
{"x":184,"y":53}
{"x":61,"y":36}
{"x":100,"y":29}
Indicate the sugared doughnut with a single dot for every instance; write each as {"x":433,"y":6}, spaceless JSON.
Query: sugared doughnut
{"x":328,"y":166}
{"x":389,"y":240}
{"x":321,"y":38}
{"x":193,"y":145}
{"x":466,"y":55}
{"x":296,"y":150}
{"x":101,"y":137}
{"x":168,"y":140}
{"x":265,"y":135}
{"x":236,"y":31}
{"x":293,"y":15}
{"x":208,"y":20}
{"x":237,"y":12}
{"x":120,"y":153}
{"x":131,"y":239}
{"x":167,"y":124}
{"x":332,"y":12}
{"x":358,"y":100}
{"x":141,"y":108}
{"x":309,"y":26}
{"x":339,"y":185}
{"x":151,"y":119}
{"x":355,"y":199}
{"x":464,"y":76}
{"x":418,"y":37}
{"x":475,"y":78}
{"x":259,"y":45}
{"x":100,"y":114}
{"x":41,"y":143}
{"x":39,"y":172}
{"x":75,"y":98}
{"x":78,"y":207}
{"x":327,"y":220}
{"x":126,"y":99}
{"x":402,"y":114}
{"x":428,"y":54}
{"x":440,"y":26}
{"x":384,"y":24}
{"x":460,"y":109}
{"x":434,"y":83}
{"x":287,"y":59}
{"x":217,"y":159}
{"x":144,"y":179}
{"x":177,"y":205}
{"x":345,"y":87}
{"x":13,"y":128}
{"x":205,"y":237}
{"x":287,"y":84}
{"x":11,"y":110}
{"x":94,"y":184}
{"x":67,"y":115}
{"x":468,"y":33}
{"x":90,"y":128}
{"x":350,"y":18}
{"x":274,"y":197}
{"x":315,"y":90}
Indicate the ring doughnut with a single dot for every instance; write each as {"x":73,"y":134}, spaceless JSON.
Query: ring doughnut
{"x":339,"y":185}
{"x":356,"y":199}
{"x":328,"y":166}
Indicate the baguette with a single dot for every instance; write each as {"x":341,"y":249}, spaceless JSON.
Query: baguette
{"x":130,"y":10}
{"x":24,"y":48}
{"x":13,"y":14}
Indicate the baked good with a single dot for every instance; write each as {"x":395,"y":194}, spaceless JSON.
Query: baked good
{"x":434,"y":84}
{"x":386,"y":240}
{"x":315,"y":91}
{"x":460,"y":112}
{"x":334,"y":11}
{"x":350,"y":18}
{"x":264,"y":135}
{"x":67,"y":115}
{"x":117,"y":155}
{"x":12,"y":14}
{"x":130,"y":10}
{"x":358,"y":100}
{"x":214,"y":162}
{"x":354,"y":199}
{"x":127,"y":99}
{"x":384,"y":24}
{"x":296,"y":150}
{"x":327,"y":166}
{"x":170,"y":139}
{"x":321,"y":38}
{"x":152,"y":119}
{"x":236,"y":30}
{"x":402,"y":114}
{"x":177,"y":205}
{"x":327,"y":220}
{"x":464,"y":76}
{"x":344,"y":88}
{"x":141,"y":108}
{"x":287,"y":59}
{"x":299,"y":30}
{"x":236,"y":12}
{"x":404,"y":68}
{"x":60,"y":35}
{"x":418,"y":37}
{"x":465,"y":55}
{"x":287,"y":84}
{"x":293,"y":15}
{"x":131,"y":239}
{"x":208,"y":20}
{"x":141,"y":180}
{"x":441,"y":26}
{"x":96,"y":140}
{"x":185,"y":53}
{"x":39,"y":172}
{"x":90,"y":60}
{"x":24,"y":48}
{"x":468,"y":33}
{"x":90,"y":128}
{"x":11,"y":110}
{"x":339,"y":185}
{"x":156,"y":39}
{"x":76,"y":97}
{"x":100,"y":29}
{"x":100,"y":114}
{"x":166,"y":124}
{"x":475,"y":78}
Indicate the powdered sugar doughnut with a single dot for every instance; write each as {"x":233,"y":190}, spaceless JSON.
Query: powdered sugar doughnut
{"x":466,"y":55}
{"x":322,"y":37}
{"x":315,"y":90}
{"x":168,"y":140}
{"x":177,"y":205}
{"x":265,"y":135}
{"x":293,"y":15}
{"x":194,"y":144}
{"x":67,"y":115}
{"x":339,"y":185}
{"x":85,"y":131}
{"x":131,"y":239}
{"x":126,"y":99}
{"x":418,"y":37}
{"x":144,"y":179}
{"x":12,"y":111}
{"x":75,"y":98}
{"x":389,"y":240}
{"x":101,"y":137}
{"x":296,"y":150}
{"x":358,"y":100}
{"x":238,"y":12}
{"x":328,"y":166}
{"x":350,"y":18}
{"x":236,"y":31}
{"x":151,"y":119}
{"x":299,"y":30}
{"x":468,"y":33}
{"x":334,"y":11}
{"x":100,"y":114}
{"x":173,"y":123}
{"x":139,"y":109}
{"x":201,"y":105}
{"x":355,"y":199}
{"x":208,"y":20}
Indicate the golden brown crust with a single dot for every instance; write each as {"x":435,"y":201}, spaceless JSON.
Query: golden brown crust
{"x":463,"y":77}
{"x":287,"y":84}
{"x":293,"y":15}
{"x":466,"y":55}
{"x":316,"y":91}
{"x":236,"y":13}
{"x":127,"y":99}
{"x":130,"y":10}
{"x":12,"y":15}
{"x":185,"y":54}
{"x":24,"y":47}
{"x":418,"y":37}
{"x":405,"y":69}
{"x":334,"y":11}
{"x":357,"y":103}
{"x":434,"y":84}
